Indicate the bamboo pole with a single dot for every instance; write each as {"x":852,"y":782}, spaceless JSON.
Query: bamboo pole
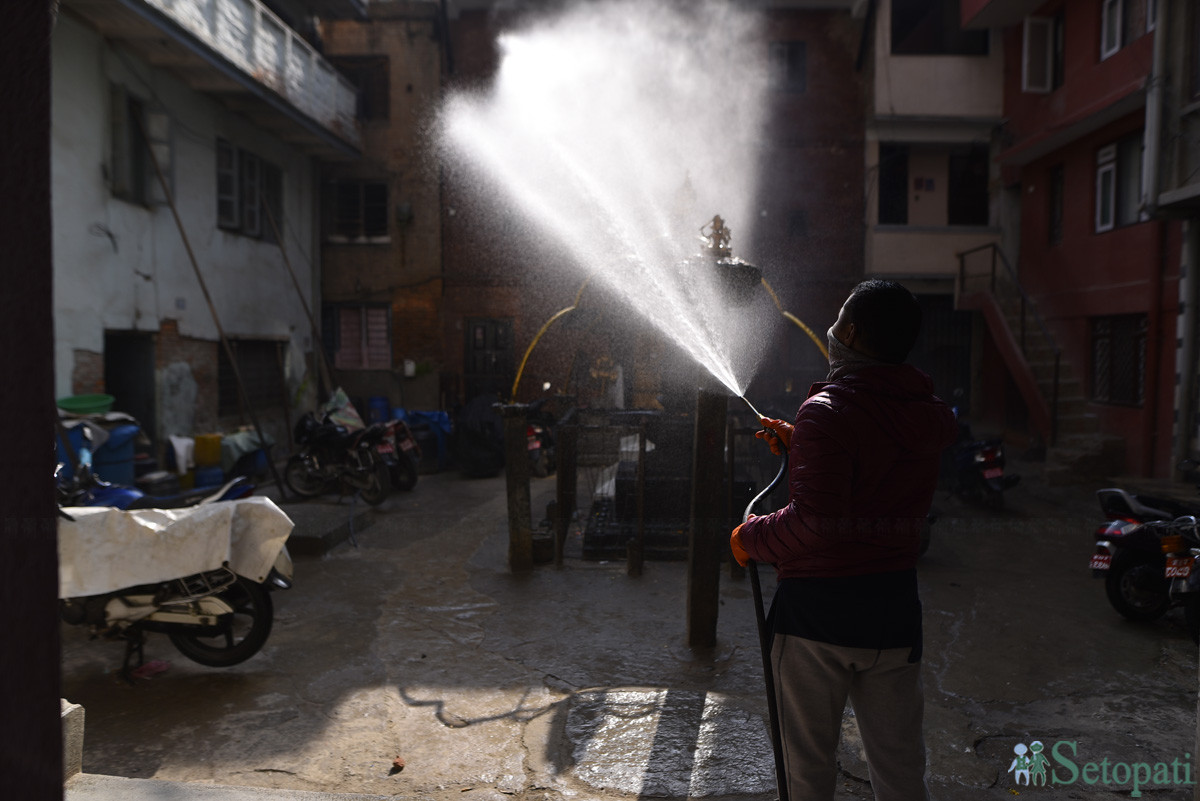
{"x":229,"y":353}
{"x":322,"y":362}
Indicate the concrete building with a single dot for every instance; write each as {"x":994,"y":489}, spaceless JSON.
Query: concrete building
{"x":1101,"y":272}
{"x":936,"y":103}
{"x":232,"y":102}
{"x":1173,"y":191}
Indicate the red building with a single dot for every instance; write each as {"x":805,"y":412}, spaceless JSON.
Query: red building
{"x":1100,"y":270}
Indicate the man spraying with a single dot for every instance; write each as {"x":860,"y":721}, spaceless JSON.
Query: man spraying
{"x":846,"y":619}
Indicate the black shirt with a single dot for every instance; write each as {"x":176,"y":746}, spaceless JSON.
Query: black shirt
{"x":876,"y":610}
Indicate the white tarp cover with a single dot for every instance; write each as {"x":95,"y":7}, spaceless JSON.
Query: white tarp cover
{"x":106,"y":549}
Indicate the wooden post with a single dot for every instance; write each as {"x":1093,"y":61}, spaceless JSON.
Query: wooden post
{"x":31,"y":748}
{"x":736,"y":571}
{"x":516,"y":471}
{"x":323,"y":372}
{"x":636,"y":548}
{"x":707,"y":528}
{"x":566,"y":483}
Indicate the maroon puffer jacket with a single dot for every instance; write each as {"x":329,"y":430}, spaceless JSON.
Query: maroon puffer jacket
{"x":863,"y":466}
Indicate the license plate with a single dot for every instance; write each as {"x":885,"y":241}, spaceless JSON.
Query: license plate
{"x":386,"y":447}
{"x":533,"y":446}
{"x":1101,"y":561}
{"x":1178,"y":567}
{"x":993,"y":472}
{"x":407,"y":445}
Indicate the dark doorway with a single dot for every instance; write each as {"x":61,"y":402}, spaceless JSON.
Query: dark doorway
{"x":944,"y":348}
{"x":129,"y":376}
{"x":489,"y":357}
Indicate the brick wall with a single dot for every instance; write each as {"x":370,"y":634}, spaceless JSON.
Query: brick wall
{"x":87,"y":376}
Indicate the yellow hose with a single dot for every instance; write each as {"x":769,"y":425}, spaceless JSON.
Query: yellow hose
{"x":563,"y":312}
{"x":544,"y":328}
{"x":788,"y":315}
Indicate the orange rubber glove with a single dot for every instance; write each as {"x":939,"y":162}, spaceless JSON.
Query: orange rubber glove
{"x":735,"y":545}
{"x":777,"y":433}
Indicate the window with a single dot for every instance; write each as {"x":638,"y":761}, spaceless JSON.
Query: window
{"x":1122,"y":21}
{"x":1111,"y":17}
{"x":1106,"y":184}
{"x":359,"y":212}
{"x":1042,"y":54}
{"x":893,"y":184}
{"x":136,"y":130}
{"x":248,"y":188}
{"x":369,"y":75}
{"x":359,"y":336}
{"x":789,"y":67}
{"x":1119,"y":184}
{"x":931,"y":28}
{"x":1119,"y":359}
{"x":259,"y":365}
{"x":1057,"y":196}
{"x":1129,"y":180}
{"x":967,"y":186}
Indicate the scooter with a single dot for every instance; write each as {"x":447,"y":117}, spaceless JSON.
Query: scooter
{"x":976,"y":469}
{"x":332,"y":457}
{"x":220,"y":615}
{"x":400,"y":452}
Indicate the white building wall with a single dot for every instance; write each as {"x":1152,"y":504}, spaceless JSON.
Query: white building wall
{"x":121,"y":266}
{"x":951,"y":87}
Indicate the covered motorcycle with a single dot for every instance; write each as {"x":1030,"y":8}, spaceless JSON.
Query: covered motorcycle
{"x":201,"y":575}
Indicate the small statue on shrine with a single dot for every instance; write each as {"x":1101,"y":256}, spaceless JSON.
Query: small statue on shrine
{"x":717,"y":235}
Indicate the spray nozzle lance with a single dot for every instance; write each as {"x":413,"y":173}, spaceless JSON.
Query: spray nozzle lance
{"x":757,"y":413}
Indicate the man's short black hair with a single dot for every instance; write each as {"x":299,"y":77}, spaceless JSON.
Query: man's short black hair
{"x":887,"y":317}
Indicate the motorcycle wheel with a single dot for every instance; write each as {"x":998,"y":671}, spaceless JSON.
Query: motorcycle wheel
{"x":1191,"y":615}
{"x":404,"y":474}
{"x":237,"y":636}
{"x":1136,"y":587}
{"x":994,"y":499}
{"x":537,"y":466}
{"x":378,"y":487}
{"x":301,"y":478}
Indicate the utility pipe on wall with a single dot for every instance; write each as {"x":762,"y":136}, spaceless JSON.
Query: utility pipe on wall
{"x":1184,"y":439}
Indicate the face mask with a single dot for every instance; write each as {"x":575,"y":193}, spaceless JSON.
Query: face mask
{"x":844,"y":359}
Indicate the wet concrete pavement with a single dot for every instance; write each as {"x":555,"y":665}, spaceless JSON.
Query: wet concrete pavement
{"x":575,"y":682}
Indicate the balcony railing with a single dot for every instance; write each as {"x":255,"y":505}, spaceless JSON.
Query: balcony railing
{"x":258,"y":43}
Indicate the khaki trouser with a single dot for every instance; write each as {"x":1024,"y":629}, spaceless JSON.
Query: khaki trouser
{"x":813,"y":681}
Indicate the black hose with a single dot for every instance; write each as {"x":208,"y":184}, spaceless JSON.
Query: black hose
{"x":764,"y":644}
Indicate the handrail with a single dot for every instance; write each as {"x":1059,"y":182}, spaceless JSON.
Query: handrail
{"x":1027,"y":305}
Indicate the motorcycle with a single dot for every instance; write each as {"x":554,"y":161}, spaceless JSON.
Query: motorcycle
{"x":539,"y":439}
{"x":976,"y":469}
{"x":400,"y":452}
{"x":1149,"y":567}
{"x":216,"y":609}
{"x":332,"y":457}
